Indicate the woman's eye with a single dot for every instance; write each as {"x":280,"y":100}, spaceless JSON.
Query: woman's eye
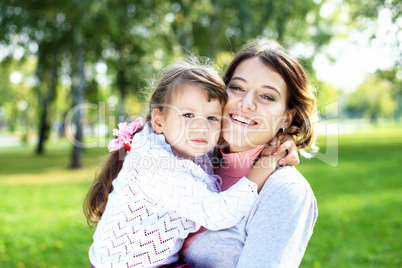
{"x":235,"y":88}
{"x":188,"y":115}
{"x":267,"y":97}
{"x":213,"y":118}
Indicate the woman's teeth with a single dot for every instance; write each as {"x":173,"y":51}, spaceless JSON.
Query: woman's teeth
{"x":243,"y":120}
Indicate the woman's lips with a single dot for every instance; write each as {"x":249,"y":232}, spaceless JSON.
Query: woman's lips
{"x":241,"y":120}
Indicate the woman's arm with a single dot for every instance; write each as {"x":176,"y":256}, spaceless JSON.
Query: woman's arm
{"x":282,"y":225}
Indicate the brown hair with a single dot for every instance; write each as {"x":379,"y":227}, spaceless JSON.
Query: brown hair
{"x":187,"y":73}
{"x":301,"y":95}
{"x":174,"y":78}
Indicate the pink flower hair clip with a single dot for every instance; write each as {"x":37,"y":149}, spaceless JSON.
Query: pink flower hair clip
{"x":123,"y":135}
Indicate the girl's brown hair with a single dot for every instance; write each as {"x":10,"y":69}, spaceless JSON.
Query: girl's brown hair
{"x":301,"y":95}
{"x":176,"y":77}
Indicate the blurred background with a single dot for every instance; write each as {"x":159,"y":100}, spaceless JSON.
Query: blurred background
{"x":71,"y":70}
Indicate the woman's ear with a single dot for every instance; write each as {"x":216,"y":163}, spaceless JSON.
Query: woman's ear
{"x":290,"y":114}
{"x":157,"y":120}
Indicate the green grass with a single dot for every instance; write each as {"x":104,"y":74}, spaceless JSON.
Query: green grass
{"x":42,"y":224}
{"x":359,"y":200}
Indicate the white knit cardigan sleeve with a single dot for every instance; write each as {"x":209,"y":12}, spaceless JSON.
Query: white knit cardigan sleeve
{"x":182,"y":185}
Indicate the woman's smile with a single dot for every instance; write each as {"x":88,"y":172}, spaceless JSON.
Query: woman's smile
{"x":242,"y":119}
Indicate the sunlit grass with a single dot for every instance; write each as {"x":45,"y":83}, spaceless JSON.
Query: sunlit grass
{"x":41,"y":209}
{"x":359,"y":202}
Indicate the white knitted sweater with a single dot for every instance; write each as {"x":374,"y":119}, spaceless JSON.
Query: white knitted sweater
{"x":157,"y":200}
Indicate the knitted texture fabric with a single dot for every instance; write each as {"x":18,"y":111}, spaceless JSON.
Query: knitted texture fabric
{"x":157,"y":200}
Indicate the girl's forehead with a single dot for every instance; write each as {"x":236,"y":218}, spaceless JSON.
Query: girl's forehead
{"x":186,"y":90}
{"x":193,"y":98}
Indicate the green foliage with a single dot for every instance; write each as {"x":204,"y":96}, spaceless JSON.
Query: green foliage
{"x":358,"y":200}
{"x":369,"y":9}
{"x":210,"y":27}
{"x":326,"y":94}
{"x":374,"y":97}
{"x":136,"y":39}
{"x":394,"y":76}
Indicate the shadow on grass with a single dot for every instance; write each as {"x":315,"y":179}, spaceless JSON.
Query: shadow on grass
{"x":29,"y":162}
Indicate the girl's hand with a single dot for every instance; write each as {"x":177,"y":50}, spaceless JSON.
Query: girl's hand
{"x":264,"y":167}
{"x":284,"y":143}
{"x":280,"y":151}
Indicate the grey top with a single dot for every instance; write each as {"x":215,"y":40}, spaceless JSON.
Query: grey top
{"x":274,"y":233}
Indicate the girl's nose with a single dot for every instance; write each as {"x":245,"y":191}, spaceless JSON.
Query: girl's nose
{"x":199,"y":124}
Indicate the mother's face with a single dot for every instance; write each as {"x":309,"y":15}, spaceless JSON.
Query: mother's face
{"x":256,"y":108}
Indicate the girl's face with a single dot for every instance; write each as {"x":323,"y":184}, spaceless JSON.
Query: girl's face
{"x":190,"y":123}
{"x":256,"y":107}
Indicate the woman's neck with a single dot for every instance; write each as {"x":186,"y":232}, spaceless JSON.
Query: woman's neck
{"x":236,"y":165}
{"x":233,"y":149}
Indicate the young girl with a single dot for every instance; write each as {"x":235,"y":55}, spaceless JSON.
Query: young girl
{"x":147,"y":203}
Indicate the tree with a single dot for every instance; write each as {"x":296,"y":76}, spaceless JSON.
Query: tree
{"x":365,"y":16}
{"x":394,"y":76}
{"x":126,"y":43}
{"x":326,"y":94}
{"x":210,"y":27}
{"x":372,"y":98}
{"x":41,"y":24}
{"x":136,"y":39}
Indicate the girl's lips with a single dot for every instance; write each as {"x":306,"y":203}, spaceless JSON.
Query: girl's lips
{"x":242,"y":120}
{"x":199,"y":140}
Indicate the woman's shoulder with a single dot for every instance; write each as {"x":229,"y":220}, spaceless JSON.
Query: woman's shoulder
{"x":288,"y":181}
{"x":288,"y":175}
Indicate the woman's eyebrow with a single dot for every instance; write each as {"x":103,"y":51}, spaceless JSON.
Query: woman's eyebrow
{"x":264,"y":86}
{"x":273,"y":88}
{"x":239,"y":78}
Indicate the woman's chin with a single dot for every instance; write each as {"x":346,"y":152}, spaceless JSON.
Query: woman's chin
{"x":235,"y":146}
{"x":238,"y":141}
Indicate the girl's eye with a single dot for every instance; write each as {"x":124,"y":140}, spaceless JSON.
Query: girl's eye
{"x":267,"y":97}
{"x":212,"y":118}
{"x":188,"y":115}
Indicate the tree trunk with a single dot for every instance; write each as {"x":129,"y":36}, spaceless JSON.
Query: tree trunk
{"x":79,"y":93}
{"x":43,"y":129}
{"x":213,"y":30}
{"x":44,"y":125}
{"x":41,"y":104}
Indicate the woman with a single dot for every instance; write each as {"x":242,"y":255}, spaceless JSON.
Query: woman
{"x":269,"y":93}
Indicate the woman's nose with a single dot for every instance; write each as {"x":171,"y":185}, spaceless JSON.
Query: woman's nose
{"x":247,"y":102}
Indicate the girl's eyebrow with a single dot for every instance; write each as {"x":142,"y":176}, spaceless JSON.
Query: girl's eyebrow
{"x":263,"y":86}
{"x":192,"y":110}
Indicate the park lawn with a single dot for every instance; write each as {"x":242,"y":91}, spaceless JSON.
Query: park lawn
{"x":42,"y":224}
{"x":359,"y":202}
